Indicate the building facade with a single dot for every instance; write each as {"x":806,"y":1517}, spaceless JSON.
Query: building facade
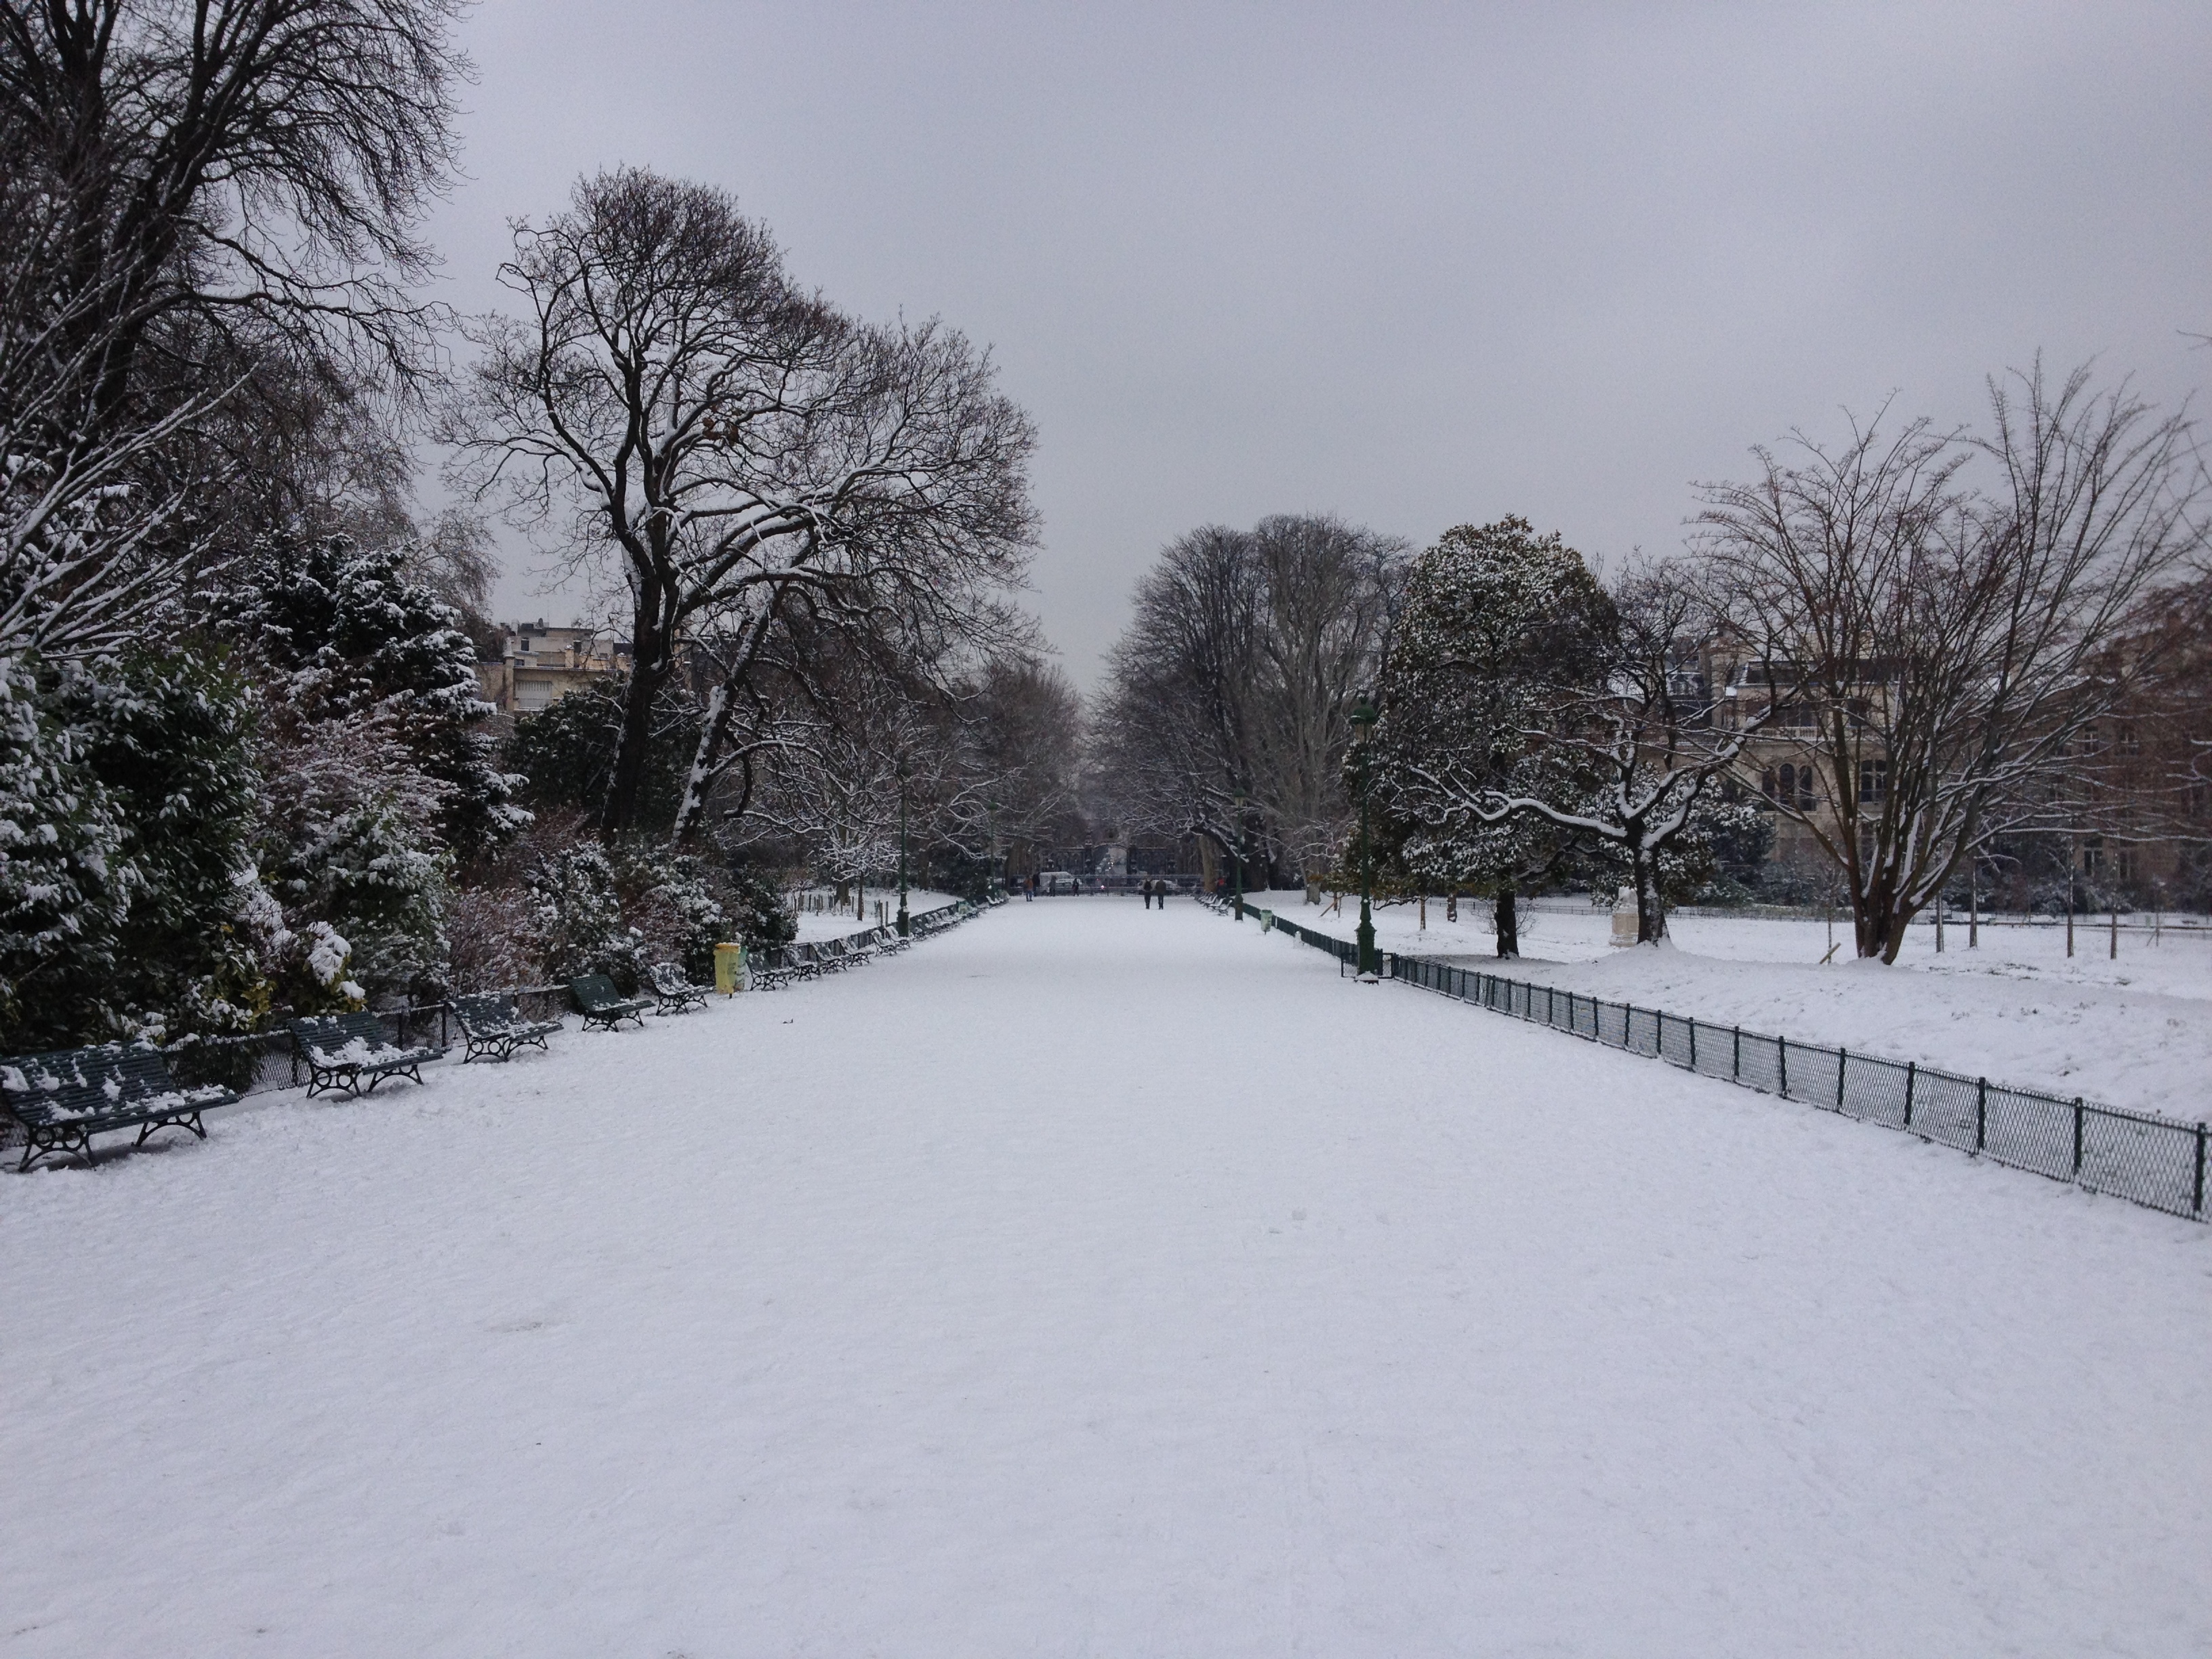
{"x":538,"y":665}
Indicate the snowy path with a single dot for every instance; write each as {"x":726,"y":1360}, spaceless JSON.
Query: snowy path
{"x":1094,"y":1281}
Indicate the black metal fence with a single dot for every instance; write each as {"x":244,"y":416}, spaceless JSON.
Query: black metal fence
{"x":2154,"y":1161}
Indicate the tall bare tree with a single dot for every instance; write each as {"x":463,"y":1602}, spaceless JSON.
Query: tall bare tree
{"x":196,"y":199}
{"x":252,"y":171}
{"x":673,"y":400}
{"x":1943,"y":658}
{"x":1228,"y":707}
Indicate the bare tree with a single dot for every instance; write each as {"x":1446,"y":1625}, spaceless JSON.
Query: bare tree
{"x":672,"y":398}
{"x":1941,"y":659}
{"x":248,"y":172}
{"x":196,"y":197}
{"x":1007,"y":763}
{"x":1228,"y":707}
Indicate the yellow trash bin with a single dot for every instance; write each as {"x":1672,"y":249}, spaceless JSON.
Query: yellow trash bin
{"x":729,"y":969}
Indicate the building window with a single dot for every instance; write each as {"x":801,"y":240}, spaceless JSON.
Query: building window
{"x":1873,"y":782}
{"x":1795,"y":717}
{"x":1796,"y":786}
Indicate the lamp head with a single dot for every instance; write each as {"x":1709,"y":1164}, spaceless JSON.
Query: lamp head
{"x":1364,"y":716}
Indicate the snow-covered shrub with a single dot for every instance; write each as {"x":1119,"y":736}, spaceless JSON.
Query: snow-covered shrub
{"x":170,"y":736}
{"x":491,"y":942}
{"x":350,"y":636}
{"x":350,"y":842}
{"x":577,"y":917}
{"x":757,"y":907}
{"x":64,"y":884}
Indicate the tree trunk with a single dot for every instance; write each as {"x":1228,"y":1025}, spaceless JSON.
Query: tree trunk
{"x":1508,"y":923}
{"x":712,"y":731}
{"x":634,"y":748}
{"x":1650,"y":912}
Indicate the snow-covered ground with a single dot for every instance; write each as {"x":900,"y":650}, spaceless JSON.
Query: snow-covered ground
{"x":2134,"y":1032}
{"x":1094,"y":1281}
{"x":835,"y":924}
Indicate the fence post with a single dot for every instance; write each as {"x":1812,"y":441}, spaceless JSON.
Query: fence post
{"x":1781,"y":1064}
{"x":1694,"y":1045}
{"x":1981,"y":1113}
{"x":1841,"y":1057}
{"x":2198,"y":1203}
{"x":1911,"y":1069}
{"x":1628,"y":1026}
{"x":2077,"y":1137}
{"x":1735,"y":1056}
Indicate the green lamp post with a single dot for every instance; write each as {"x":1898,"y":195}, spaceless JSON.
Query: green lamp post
{"x":1362,"y":727}
{"x":904,"y":924}
{"x":1237,"y":853}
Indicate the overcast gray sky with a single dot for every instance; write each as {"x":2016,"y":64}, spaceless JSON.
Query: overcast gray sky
{"x":1416,"y":266}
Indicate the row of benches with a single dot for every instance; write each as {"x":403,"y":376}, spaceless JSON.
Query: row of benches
{"x":780,"y":966}
{"x":62,"y":1099}
{"x":772,"y":969}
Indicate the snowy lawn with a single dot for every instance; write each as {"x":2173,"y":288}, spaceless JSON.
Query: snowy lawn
{"x":837,"y":924}
{"x":1094,"y":1281}
{"x":2135,"y":1033}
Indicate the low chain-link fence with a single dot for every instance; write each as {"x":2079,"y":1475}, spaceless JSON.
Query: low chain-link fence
{"x":2159,"y":1161}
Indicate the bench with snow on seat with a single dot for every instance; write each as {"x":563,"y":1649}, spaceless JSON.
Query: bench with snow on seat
{"x":63,"y":1099}
{"x":492,"y":1025}
{"x":770,"y":968}
{"x":600,"y":1004}
{"x":350,"y":1052}
{"x":672,"y":993}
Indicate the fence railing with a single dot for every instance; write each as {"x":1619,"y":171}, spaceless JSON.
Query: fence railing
{"x":2146,"y":1158}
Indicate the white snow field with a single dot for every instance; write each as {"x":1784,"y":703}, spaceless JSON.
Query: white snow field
{"x":1093,"y":1280}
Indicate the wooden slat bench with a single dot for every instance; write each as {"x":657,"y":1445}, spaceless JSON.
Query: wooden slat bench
{"x":770,"y":968}
{"x":672,"y":993}
{"x":600,"y":1004}
{"x":493,"y":1027}
{"x":349,"y":1052}
{"x":65,"y":1098}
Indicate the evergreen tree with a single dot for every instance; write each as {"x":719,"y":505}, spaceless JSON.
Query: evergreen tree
{"x":170,"y":737}
{"x":564,"y":754}
{"x":1497,"y":620}
{"x":65,"y":883}
{"x":350,"y":634}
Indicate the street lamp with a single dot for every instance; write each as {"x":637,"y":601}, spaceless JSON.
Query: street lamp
{"x":904,"y":926}
{"x":1237,"y":852}
{"x":1362,"y":728}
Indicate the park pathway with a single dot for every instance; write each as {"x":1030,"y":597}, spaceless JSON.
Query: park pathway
{"x":1093,"y":1280}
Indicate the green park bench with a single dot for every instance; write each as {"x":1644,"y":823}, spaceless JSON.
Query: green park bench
{"x":350,"y":1052}
{"x":600,"y":1004}
{"x":672,"y":993}
{"x":63,"y":1099}
{"x":492,"y":1026}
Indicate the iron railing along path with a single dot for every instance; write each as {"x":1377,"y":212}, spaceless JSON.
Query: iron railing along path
{"x":2146,"y":1159}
